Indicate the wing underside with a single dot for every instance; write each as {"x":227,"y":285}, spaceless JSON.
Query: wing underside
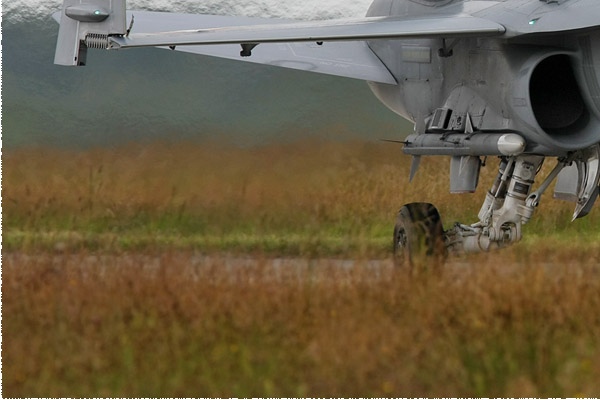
{"x":345,"y":59}
{"x":349,"y":59}
{"x":336,"y":47}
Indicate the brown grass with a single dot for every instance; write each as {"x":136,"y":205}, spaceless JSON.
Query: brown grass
{"x":302,"y":176}
{"x":181,"y":324}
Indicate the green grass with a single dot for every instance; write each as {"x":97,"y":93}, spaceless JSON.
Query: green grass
{"x":273,"y":244}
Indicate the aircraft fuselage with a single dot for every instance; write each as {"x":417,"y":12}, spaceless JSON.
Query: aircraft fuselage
{"x":546,"y":87}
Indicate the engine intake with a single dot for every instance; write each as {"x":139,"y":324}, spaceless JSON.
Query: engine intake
{"x":549,"y":96}
{"x":555,"y":97}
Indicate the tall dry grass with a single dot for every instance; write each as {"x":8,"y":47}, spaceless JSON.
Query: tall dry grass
{"x":289,"y":198}
{"x":310,"y":176}
{"x":183,"y":325}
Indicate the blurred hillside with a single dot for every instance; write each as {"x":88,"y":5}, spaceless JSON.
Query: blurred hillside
{"x":154,"y":94}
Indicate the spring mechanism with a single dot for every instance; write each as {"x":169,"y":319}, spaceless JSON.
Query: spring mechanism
{"x":96,"y":41}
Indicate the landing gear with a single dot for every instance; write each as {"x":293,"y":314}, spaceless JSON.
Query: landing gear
{"x":419,"y":237}
{"x":421,"y":242}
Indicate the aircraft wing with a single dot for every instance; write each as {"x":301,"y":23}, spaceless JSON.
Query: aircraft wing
{"x":347,"y":59}
{"x":294,"y":44}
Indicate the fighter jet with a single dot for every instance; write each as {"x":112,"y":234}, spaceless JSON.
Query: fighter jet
{"x":512,"y":80}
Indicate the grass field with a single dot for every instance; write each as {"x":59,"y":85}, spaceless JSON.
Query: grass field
{"x":155,"y":270}
{"x":306,"y":198}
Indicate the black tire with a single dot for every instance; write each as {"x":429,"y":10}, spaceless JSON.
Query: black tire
{"x":419,"y":237}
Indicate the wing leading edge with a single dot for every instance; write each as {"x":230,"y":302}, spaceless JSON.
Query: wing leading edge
{"x":369,"y":28}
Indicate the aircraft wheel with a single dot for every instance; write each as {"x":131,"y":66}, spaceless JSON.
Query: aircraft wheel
{"x":419,"y":237}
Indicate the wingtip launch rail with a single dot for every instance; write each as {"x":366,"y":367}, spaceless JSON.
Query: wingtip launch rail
{"x":87,"y":25}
